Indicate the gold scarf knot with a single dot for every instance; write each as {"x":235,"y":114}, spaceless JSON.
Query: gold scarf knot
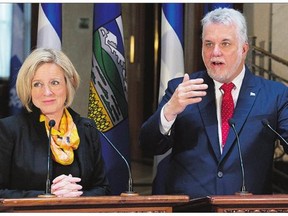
{"x":65,"y":140}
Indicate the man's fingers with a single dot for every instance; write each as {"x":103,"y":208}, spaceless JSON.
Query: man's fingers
{"x":185,"y":78}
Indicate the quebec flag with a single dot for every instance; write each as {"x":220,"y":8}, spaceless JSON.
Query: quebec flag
{"x":49,"y":33}
{"x":17,"y":56}
{"x":172,"y":66}
{"x":108,"y":103}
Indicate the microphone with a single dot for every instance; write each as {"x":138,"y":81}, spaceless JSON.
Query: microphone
{"x":265,"y":122}
{"x":49,"y":165}
{"x":243,"y":190}
{"x":130,"y":191}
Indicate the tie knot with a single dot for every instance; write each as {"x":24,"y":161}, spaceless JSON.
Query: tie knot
{"x":227,"y":87}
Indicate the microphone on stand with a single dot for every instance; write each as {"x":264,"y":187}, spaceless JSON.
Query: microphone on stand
{"x":130,"y":191}
{"x":243,"y":190}
{"x":49,"y":165}
{"x":265,"y":122}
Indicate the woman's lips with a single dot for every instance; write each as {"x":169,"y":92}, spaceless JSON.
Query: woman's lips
{"x":47,"y":102}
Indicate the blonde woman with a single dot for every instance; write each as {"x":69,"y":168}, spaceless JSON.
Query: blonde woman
{"x":46,"y":85}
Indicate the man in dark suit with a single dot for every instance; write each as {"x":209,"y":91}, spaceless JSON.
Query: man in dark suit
{"x":205,"y":158}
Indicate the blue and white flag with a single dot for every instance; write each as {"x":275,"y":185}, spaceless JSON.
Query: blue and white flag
{"x":172,"y":57}
{"x":108,"y":103}
{"x":17,"y":56}
{"x":49,"y":25}
{"x":172,"y":65}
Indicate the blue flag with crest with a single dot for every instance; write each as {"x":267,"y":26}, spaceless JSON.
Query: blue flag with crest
{"x":108,"y":103}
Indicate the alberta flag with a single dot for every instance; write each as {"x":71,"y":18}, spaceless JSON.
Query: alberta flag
{"x":172,"y":65}
{"x":108,"y":104}
{"x":17,"y":56}
{"x":49,"y":33}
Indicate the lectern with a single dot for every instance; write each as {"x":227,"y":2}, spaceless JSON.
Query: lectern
{"x":154,"y":203}
{"x":237,"y":204}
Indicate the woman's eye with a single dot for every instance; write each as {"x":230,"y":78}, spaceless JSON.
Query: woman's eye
{"x":37,"y":84}
{"x":55,"y":82}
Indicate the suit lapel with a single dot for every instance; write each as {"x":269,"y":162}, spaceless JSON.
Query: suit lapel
{"x":207,"y":109}
{"x":246,"y":100}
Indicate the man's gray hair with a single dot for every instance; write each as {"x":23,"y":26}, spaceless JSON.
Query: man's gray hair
{"x":227,"y":16}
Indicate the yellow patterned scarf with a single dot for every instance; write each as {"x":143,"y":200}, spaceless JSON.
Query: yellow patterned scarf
{"x":65,"y":140}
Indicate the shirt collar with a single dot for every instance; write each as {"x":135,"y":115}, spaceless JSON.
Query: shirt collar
{"x":237,"y":81}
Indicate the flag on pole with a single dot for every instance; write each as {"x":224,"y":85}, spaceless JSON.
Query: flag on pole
{"x":172,"y":40}
{"x":108,"y":103}
{"x":49,"y":33}
{"x":172,"y":65}
{"x":17,"y":56}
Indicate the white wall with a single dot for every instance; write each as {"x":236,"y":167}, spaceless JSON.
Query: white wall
{"x":280,"y":36}
{"x":77,"y":44}
{"x":269,"y":23}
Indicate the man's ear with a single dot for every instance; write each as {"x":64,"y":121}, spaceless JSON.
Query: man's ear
{"x":245,"y":48}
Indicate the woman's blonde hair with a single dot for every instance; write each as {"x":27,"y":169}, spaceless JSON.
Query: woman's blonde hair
{"x":33,"y":61}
